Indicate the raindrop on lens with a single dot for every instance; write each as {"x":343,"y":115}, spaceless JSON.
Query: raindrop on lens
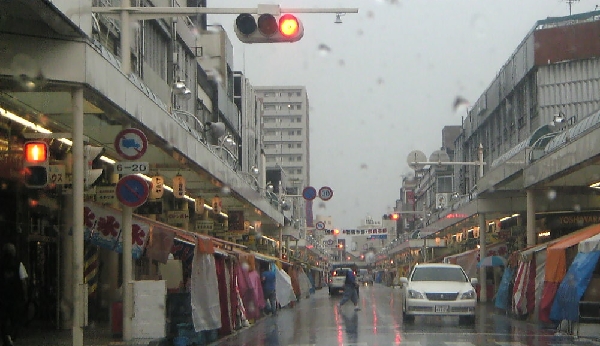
{"x":226,"y":190}
{"x":551,"y":194}
{"x":577,"y":208}
{"x":324,"y":49}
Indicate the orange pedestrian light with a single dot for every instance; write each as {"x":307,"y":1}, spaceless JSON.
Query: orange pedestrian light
{"x":35,"y":152}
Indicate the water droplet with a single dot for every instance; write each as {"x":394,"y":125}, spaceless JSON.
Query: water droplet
{"x":577,"y":208}
{"x":324,"y":49}
{"x":364,"y":166}
{"x":459,"y":102}
{"x":551,"y":194}
{"x":245,"y":266}
{"x":226,"y":190}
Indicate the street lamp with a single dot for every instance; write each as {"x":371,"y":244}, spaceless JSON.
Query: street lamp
{"x":561,"y":118}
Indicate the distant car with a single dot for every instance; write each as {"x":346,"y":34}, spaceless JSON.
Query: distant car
{"x":364,"y":276}
{"x":337,"y":278}
{"x":439,"y":289}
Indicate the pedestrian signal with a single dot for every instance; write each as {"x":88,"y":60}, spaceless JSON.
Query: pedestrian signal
{"x":35,"y":164}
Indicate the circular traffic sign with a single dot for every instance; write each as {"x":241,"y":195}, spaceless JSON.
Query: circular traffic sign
{"x":132,"y":190}
{"x":131,"y":144}
{"x":320,"y":225}
{"x":325,"y":193}
{"x":309,"y":193}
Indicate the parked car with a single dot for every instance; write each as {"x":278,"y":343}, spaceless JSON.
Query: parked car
{"x":439,"y":289}
{"x":337,"y":279}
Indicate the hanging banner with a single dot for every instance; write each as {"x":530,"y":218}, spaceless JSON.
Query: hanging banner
{"x":217,"y":204}
{"x":102,"y":227}
{"x":178,"y":186}
{"x":199,"y":205}
{"x":157,"y":187}
{"x":236,"y":220}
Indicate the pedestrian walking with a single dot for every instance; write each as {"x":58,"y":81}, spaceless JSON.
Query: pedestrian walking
{"x":268,"y":285}
{"x":13,"y":293}
{"x":350,"y":289}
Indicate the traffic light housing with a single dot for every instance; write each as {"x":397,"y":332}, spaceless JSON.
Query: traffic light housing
{"x":91,"y":174}
{"x":267,"y":28}
{"x":36,"y":157}
{"x":393,"y":217}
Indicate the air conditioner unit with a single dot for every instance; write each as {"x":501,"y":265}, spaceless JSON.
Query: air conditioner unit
{"x":441,"y":200}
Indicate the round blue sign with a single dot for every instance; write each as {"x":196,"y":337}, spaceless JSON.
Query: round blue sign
{"x":132,"y":190}
{"x":309,"y":193}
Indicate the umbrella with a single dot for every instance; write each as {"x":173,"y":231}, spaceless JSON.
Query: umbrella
{"x":492,"y":261}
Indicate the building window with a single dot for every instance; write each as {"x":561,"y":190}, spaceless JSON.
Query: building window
{"x":270,"y":107}
{"x":298,"y":145}
{"x":291,"y":158}
{"x":290,"y":133}
{"x":298,"y":106}
{"x":299,"y":93}
{"x":299,"y":158}
{"x":298,"y":132}
{"x":299,"y":171}
{"x":290,"y":145}
{"x":299,"y":119}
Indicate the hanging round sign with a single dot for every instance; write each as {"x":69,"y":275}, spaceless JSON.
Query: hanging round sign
{"x":132,"y":190}
{"x":320,"y":225}
{"x":309,"y":193}
{"x":325,"y":193}
{"x":131,"y":144}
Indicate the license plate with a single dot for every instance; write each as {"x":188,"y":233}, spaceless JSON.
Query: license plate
{"x":441,"y":308}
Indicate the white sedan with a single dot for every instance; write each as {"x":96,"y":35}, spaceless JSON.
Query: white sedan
{"x":439,"y":289}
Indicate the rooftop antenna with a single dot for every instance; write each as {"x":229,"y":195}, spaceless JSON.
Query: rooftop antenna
{"x":570,"y":2}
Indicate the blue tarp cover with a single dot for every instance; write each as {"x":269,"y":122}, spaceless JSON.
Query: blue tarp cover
{"x":502,"y":296}
{"x":572,"y":287}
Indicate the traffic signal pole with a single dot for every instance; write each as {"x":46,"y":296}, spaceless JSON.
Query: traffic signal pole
{"x":482,"y":223}
{"x":126,"y":14}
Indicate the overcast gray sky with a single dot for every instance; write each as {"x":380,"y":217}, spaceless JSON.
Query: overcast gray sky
{"x":383,"y":82}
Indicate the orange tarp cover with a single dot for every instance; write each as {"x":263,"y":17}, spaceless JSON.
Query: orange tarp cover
{"x":556,"y":259}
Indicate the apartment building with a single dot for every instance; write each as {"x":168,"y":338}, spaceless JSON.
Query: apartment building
{"x":285,"y":128}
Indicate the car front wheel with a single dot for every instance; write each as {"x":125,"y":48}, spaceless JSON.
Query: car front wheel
{"x":406,"y":317}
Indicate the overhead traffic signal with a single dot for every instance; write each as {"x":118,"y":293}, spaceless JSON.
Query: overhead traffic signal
{"x":393,"y":217}
{"x":35,"y":164}
{"x":267,"y":28}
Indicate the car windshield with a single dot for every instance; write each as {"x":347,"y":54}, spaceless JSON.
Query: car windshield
{"x":340,"y":272}
{"x":438,"y":274}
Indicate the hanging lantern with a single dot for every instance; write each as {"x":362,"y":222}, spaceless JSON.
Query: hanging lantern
{"x":199,"y":205}
{"x":178,"y":186}
{"x":217,"y":204}
{"x":157,"y":187}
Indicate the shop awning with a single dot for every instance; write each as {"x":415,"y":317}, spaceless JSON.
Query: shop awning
{"x":590,"y":244}
{"x":527,"y":254}
{"x":556,"y":260}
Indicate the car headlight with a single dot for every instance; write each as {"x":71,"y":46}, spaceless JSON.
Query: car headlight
{"x":415,"y":294}
{"x":469,"y":295}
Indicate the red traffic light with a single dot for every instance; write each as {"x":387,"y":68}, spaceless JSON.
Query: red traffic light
{"x":336,"y":231}
{"x":267,"y":28}
{"x":35,"y":152}
{"x":288,"y":25}
{"x":395,"y":216}
{"x":35,"y":164}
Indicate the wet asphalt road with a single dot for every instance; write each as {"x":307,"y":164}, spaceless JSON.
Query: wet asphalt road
{"x":319,"y":321}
